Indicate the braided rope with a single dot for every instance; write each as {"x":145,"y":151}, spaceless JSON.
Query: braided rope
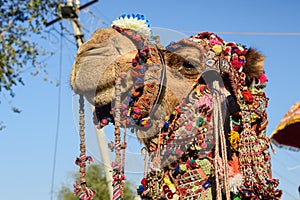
{"x":220,"y":140}
{"x":123,"y":147}
{"x":217,"y":155}
{"x":223,"y":145}
{"x":82,"y":191}
{"x":117,"y":186}
{"x":116,"y":190}
{"x":145,"y":154}
{"x":82,"y":139}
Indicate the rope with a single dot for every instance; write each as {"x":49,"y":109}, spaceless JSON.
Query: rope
{"x":223,"y":148}
{"x":82,"y":139}
{"x":217,"y":154}
{"x":157,"y":160}
{"x":123,"y":146}
{"x":220,"y":162}
{"x":117,"y":176}
{"x":145,"y":154}
{"x":82,"y":191}
{"x":116,"y":190}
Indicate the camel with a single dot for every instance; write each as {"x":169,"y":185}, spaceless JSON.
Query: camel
{"x":197,"y":105}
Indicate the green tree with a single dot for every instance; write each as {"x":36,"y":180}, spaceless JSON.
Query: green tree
{"x":19,"y":21}
{"x":96,"y":180}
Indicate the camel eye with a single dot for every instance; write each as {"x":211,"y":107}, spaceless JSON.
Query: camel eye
{"x":188,"y":65}
{"x":189,"y":70}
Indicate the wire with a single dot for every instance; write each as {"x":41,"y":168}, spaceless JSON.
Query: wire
{"x":262,"y":33}
{"x":217,"y":32}
{"x":247,"y":33}
{"x":64,"y":36}
{"x":52,"y":38}
{"x":67,"y":30}
{"x":95,"y":16}
{"x":290,"y":182}
{"x":42,"y":61}
{"x":289,"y":194}
{"x":58,"y":112}
{"x":292,"y":168}
{"x":87,"y":30}
{"x":291,"y":172}
{"x":99,"y":11}
{"x":292,"y":156}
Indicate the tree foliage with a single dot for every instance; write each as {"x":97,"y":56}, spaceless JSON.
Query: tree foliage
{"x":95,"y":180}
{"x":19,"y":21}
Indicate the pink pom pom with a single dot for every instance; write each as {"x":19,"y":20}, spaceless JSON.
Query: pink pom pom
{"x":263,"y":78}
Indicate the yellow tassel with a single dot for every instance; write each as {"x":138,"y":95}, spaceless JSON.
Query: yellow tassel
{"x":234,"y":138}
{"x":254,"y":117}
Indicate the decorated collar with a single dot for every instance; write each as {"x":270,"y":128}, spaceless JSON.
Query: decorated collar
{"x":148,"y":74}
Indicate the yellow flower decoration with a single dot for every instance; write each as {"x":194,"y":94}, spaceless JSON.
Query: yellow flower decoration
{"x":217,"y":49}
{"x":182,"y":167}
{"x":167,"y":181}
{"x":254,"y":117}
{"x":234,"y":138}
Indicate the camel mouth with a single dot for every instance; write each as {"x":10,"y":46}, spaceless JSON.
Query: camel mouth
{"x":103,"y":115}
{"x":105,"y":107}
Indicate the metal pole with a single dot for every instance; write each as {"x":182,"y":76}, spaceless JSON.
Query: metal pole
{"x":79,"y":37}
{"x":102,"y":143}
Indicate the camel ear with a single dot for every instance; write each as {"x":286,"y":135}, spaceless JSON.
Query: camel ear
{"x":254,"y":63}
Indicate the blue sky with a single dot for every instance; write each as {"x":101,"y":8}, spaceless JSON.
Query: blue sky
{"x":27,"y":142}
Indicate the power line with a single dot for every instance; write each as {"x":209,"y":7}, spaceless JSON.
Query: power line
{"x":288,"y":155}
{"x":219,"y":32}
{"x":291,"y":168}
{"x":58,"y":114}
{"x":42,"y":61}
{"x":99,"y":11}
{"x":87,"y":30}
{"x":67,"y":29}
{"x":247,"y":33}
{"x":286,"y":167}
{"x":284,"y":191}
{"x":95,"y":16}
{"x":290,"y":182}
{"x":64,"y":36}
{"x":292,"y":156}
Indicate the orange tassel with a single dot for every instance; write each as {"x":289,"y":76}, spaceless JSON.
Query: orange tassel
{"x":234,"y":163}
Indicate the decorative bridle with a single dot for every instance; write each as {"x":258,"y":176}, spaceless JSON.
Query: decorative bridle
{"x":143,"y":98}
{"x":246,"y":139}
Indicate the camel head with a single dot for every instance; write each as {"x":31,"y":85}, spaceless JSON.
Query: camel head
{"x":179,"y":67}
{"x":94,"y":70}
{"x":167,"y":95}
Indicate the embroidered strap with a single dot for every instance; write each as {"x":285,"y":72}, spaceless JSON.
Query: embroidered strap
{"x":149,"y":77}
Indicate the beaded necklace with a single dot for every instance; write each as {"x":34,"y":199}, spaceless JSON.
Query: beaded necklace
{"x":247,"y":137}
